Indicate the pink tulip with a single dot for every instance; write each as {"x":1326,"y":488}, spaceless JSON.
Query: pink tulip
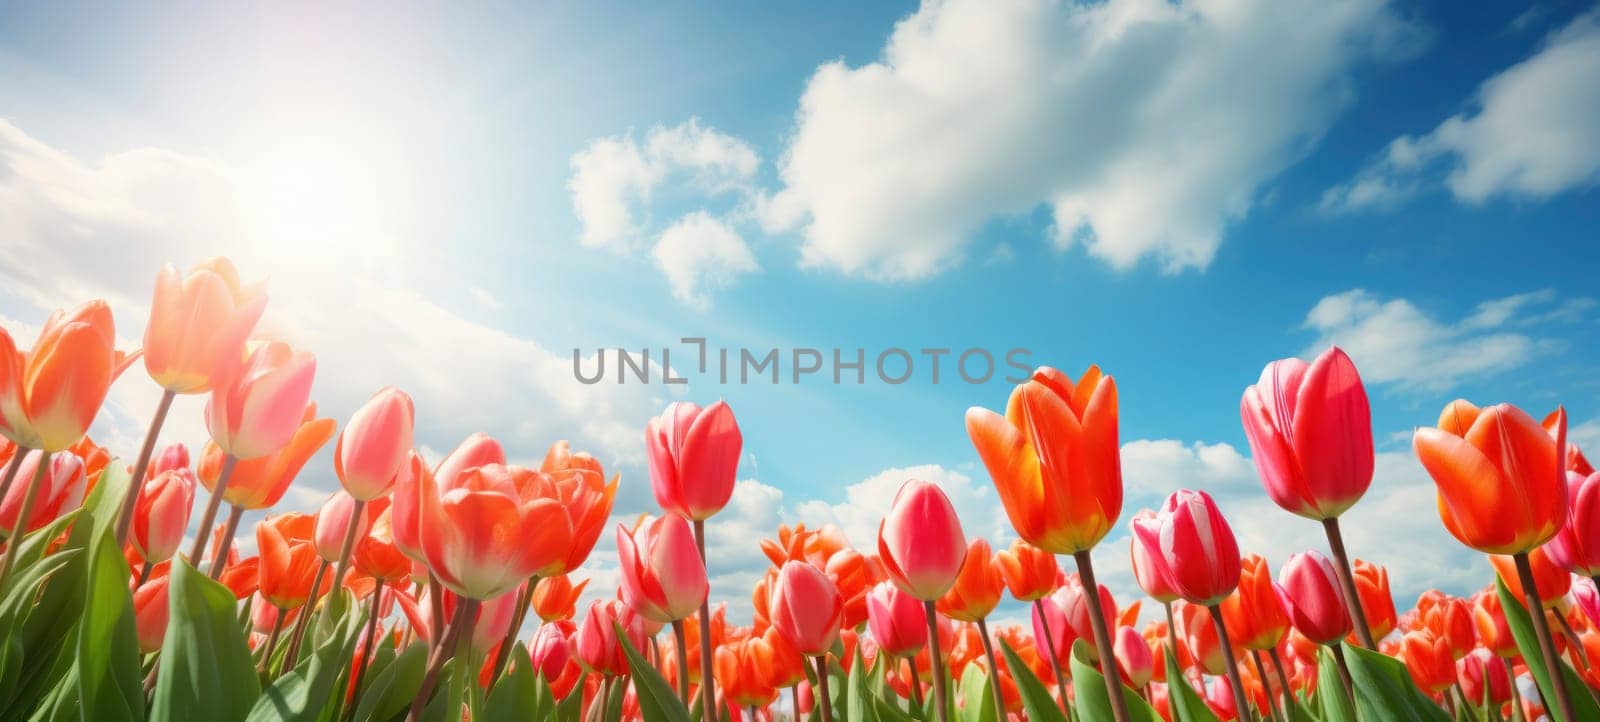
{"x":60,"y":491}
{"x":920,"y":543}
{"x":374,"y":445}
{"x":405,"y":506}
{"x":1048,"y":612}
{"x":896,"y":620}
{"x":1311,"y":593}
{"x":257,"y":409}
{"x":161,"y":513}
{"x":806,"y":608}
{"x":693,"y":455}
{"x":1310,"y":432}
{"x":1587,"y":595}
{"x":333,"y":522}
{"x":663,"y":578}
{"x":1074,"y":603}
{"x":1134,"y":657}
{"x":1577,"y":546}
{"x":596,"y":642}
{"x":552,"y":649}
{"x":1197,"y":545}
{"x":175,"y":456}
{"x":1149,"y":567}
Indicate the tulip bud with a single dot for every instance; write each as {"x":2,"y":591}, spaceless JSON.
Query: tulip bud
{"x":552,"y":654}
{"x":150,"y":613}
{"x":1310,"y":433}
{"x":1481,"y":673}
{"x":161,"y":514}
{"x":896,"y":620}
{"x":1201,"y":557}
{"x":1052,"y":631}
{"x":1311,"y":594}
{"x":174,"y":456}
{"x":806,"y":609}
{"x":920,"y":543}
{"x":596,"y":642}
{"x":333,"y":523}
{"x":663,"y":578}
{"x":375,"y":444}
{"x":61,"y":490}
{"x":1073,"y":599}
{"x":258,"y":408}
{"x":1149,"y":566}
{"x":693,"y":455}
{"x":1133,"y":657}
{"x":1372,"y":586}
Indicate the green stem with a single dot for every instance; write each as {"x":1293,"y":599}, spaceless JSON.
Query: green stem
{"x":1547,"y":647}
{"x":131,"y":499}
{"x":1102,"y":638}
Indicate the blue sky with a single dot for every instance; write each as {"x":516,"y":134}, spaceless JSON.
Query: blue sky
{"x":453,"y":201}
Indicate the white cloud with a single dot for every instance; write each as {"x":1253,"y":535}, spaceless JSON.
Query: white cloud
{"x":1533,"y":132}
{"x":1393,"y":340}
{"x":1130,"y":119}
{"x":1155,"y":467}
{"x":866,"y":501}
{"x":700,"y":254}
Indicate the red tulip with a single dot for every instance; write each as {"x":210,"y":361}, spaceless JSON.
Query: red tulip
{"x":175,"y":456}
{"x":49,"y":395}
{"x":1254,"y":614}
{"x":491,"y":529}
{"x":1201,"y":558}
{"x":806,"y":608}
{"x":596,"y":642}
{"x":61,"y":490}
{"x":693,"y":455}
{"x":260,"y":483}
{"x":1311,"y":594}
{"x":374,"y":446}
{"x":161,"y":514}
{"x":198,"y":325}
{"x":1450,"y":619}
{"x":1494,"y":632}
{"x":553,"y":658}
{"x":1310,"y":432}
{"x":257,"y":409}
{"x":1501,"y":478}
{"x":896,"y":620}
{"x":978,"y":587}
{"x":1054,"y":458}
{"x":1577,"y":546}
{"x":1074,"y":603}
{"x":662,"y":576}
{"x":1048,"y":614}
{"x":150,"y":612}
{"x":920,"y":543}
{"x":1029,"y":572}
{"x":1478,"y":669}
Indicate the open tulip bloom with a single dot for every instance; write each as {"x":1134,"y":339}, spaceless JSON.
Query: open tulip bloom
{"x":408,"y":593}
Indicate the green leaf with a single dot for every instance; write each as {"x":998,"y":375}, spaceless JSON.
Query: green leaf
{"x":1036,"y":699}
{"x":391,"y":691}
{"x":205,"y":668}
{"x":109,"y":683}
{"x":657,"y":700}
{"x":516,"y":696}
{"x":1182,"y":701}
{"x":302,"y":694}
{"x":44,"y":628}
{"x":859,"y":706}
{"x":1583,"y":703}
{"x":1333,"y":702}
{"x":1384,"y":688}
{"x":1092,"y":702}
{"x":977,"y":698}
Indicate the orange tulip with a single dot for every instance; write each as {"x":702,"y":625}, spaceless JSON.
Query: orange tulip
{"x":978,"y":587}
{"x":198,"y":325}
{"x":741,"y":676}
{"x":1254,"y":614}
{"x":1029,"y":572}
{"x":288,"y":565}
{"x":577,"y":482}
{"x":1489,"y":619}
{"x":150,"y":611}
{"x":1501,"y":478}
{"x":260,"y":483}
{"x":1552,"y":580}
{"x":1427,"y":658}
{"x":1450,"y":619}
{"x":556,"y":598}
{"x":495,"y":527}
{"x":377,"y":555}
{"x":49,"y":395}
{"x":1054,"y":458}
{"x":1372,"y":585}
{"x":1200,"y":637}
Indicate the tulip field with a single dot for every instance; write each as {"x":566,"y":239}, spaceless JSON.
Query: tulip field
{"x":449,"y":588}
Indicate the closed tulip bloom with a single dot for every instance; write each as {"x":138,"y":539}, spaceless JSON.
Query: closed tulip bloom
{"x":1311,"y":594}
{"x":49,"y":395}
{"x":1254,"y":614}
{"x":920,"y":543}
{"x":978,"y":587}
{"x":662,"y":576}
{"x":1051,"y":630}
{"x":1501,"y":478}
{"x":1197,"y":545}
{"x":1133,"y":657}
{"x":60,"y":490}
{"x":556,"y":598}
{"x":596,"y":642}
{"x":1054,"y":458}
{"x":1219,"y":697}
{"x":258,"y":408}
{"x":1372,"y":585}
{"x":1029,"y":572}
{"x":1489,"y":620}
{"x":260,"y":483}
{"x":332,"y":521}
{"x":1074,"y":603}
{"x":491,"y":530}
{"x":551,"y":651}
{"x":896,"y":620}
{"x":406,"y":505}
{"x":1586,"y":596}
{"x":1427,"y":658}
{"x":287,"y":568}
{"x":1482,"y":676}
{"x":198,"y":324}
{"x":1577,"y":546}
{"x":150,"y":612}
{"x":694,"y":455}
{"x":174,"y":456}
{"x":161,"y":514}
{"x":1552,"y":580}
{"x":1149,"y":565}
{"x":492,"y":622}
{"x":806,"y":608}
{"x":375,"y":445}
{"x":376,"y":554}
{"x":1310,"y":433}
{"x":1200,"y":638}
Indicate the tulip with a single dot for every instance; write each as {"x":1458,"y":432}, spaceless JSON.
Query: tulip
{"x":1050,"y":625}
{"x":1149,"y":565}
{"x":339,"y":512}
{"x":1254,"y":613}
{"x":1133,"y":657}
{"x":377,"y":555}
{"x":1310,"y":593}
{"x":1202,"y":639}
{"x":198,"y":323}
{"x":581,"y":487}
{"x":596,"y":641}
{"x":161,"y":514}
{"x":1198,"y":553}
{"x":1489,"y":620}
{"x":375,"y":444}
{"x":896,"y":620}
{"x":693,"y":454}
{"x":1551,"y":580}
{"x":150,"y":613}
{"x":806,"y":608}
{"x":260,"y":483}
{"x":552,"y":657}
{"x":1586,"y":593}
{"x":1483,"y":678}
{"x":1451,"y":620}
{"x":662,"y":576}
{"x":49,"y":395}
{"x":1427,"y":658}
{"x":1310,"y":433}
{"x":485,"y":536}
{"x":920,"y":543}
{"x":405,"y":504}
{"x":1372,"y":586}
{"x":555,"y":598}
{"x":59,"y":488}
{"x":1577,"y":545}
{"x":739,"y":671}
{"x":978,"y":587}
{"x":1056,"y":465}
{"x":260,"y":407}
{"x":288,"y":566}
{"x":1029,"y":572}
